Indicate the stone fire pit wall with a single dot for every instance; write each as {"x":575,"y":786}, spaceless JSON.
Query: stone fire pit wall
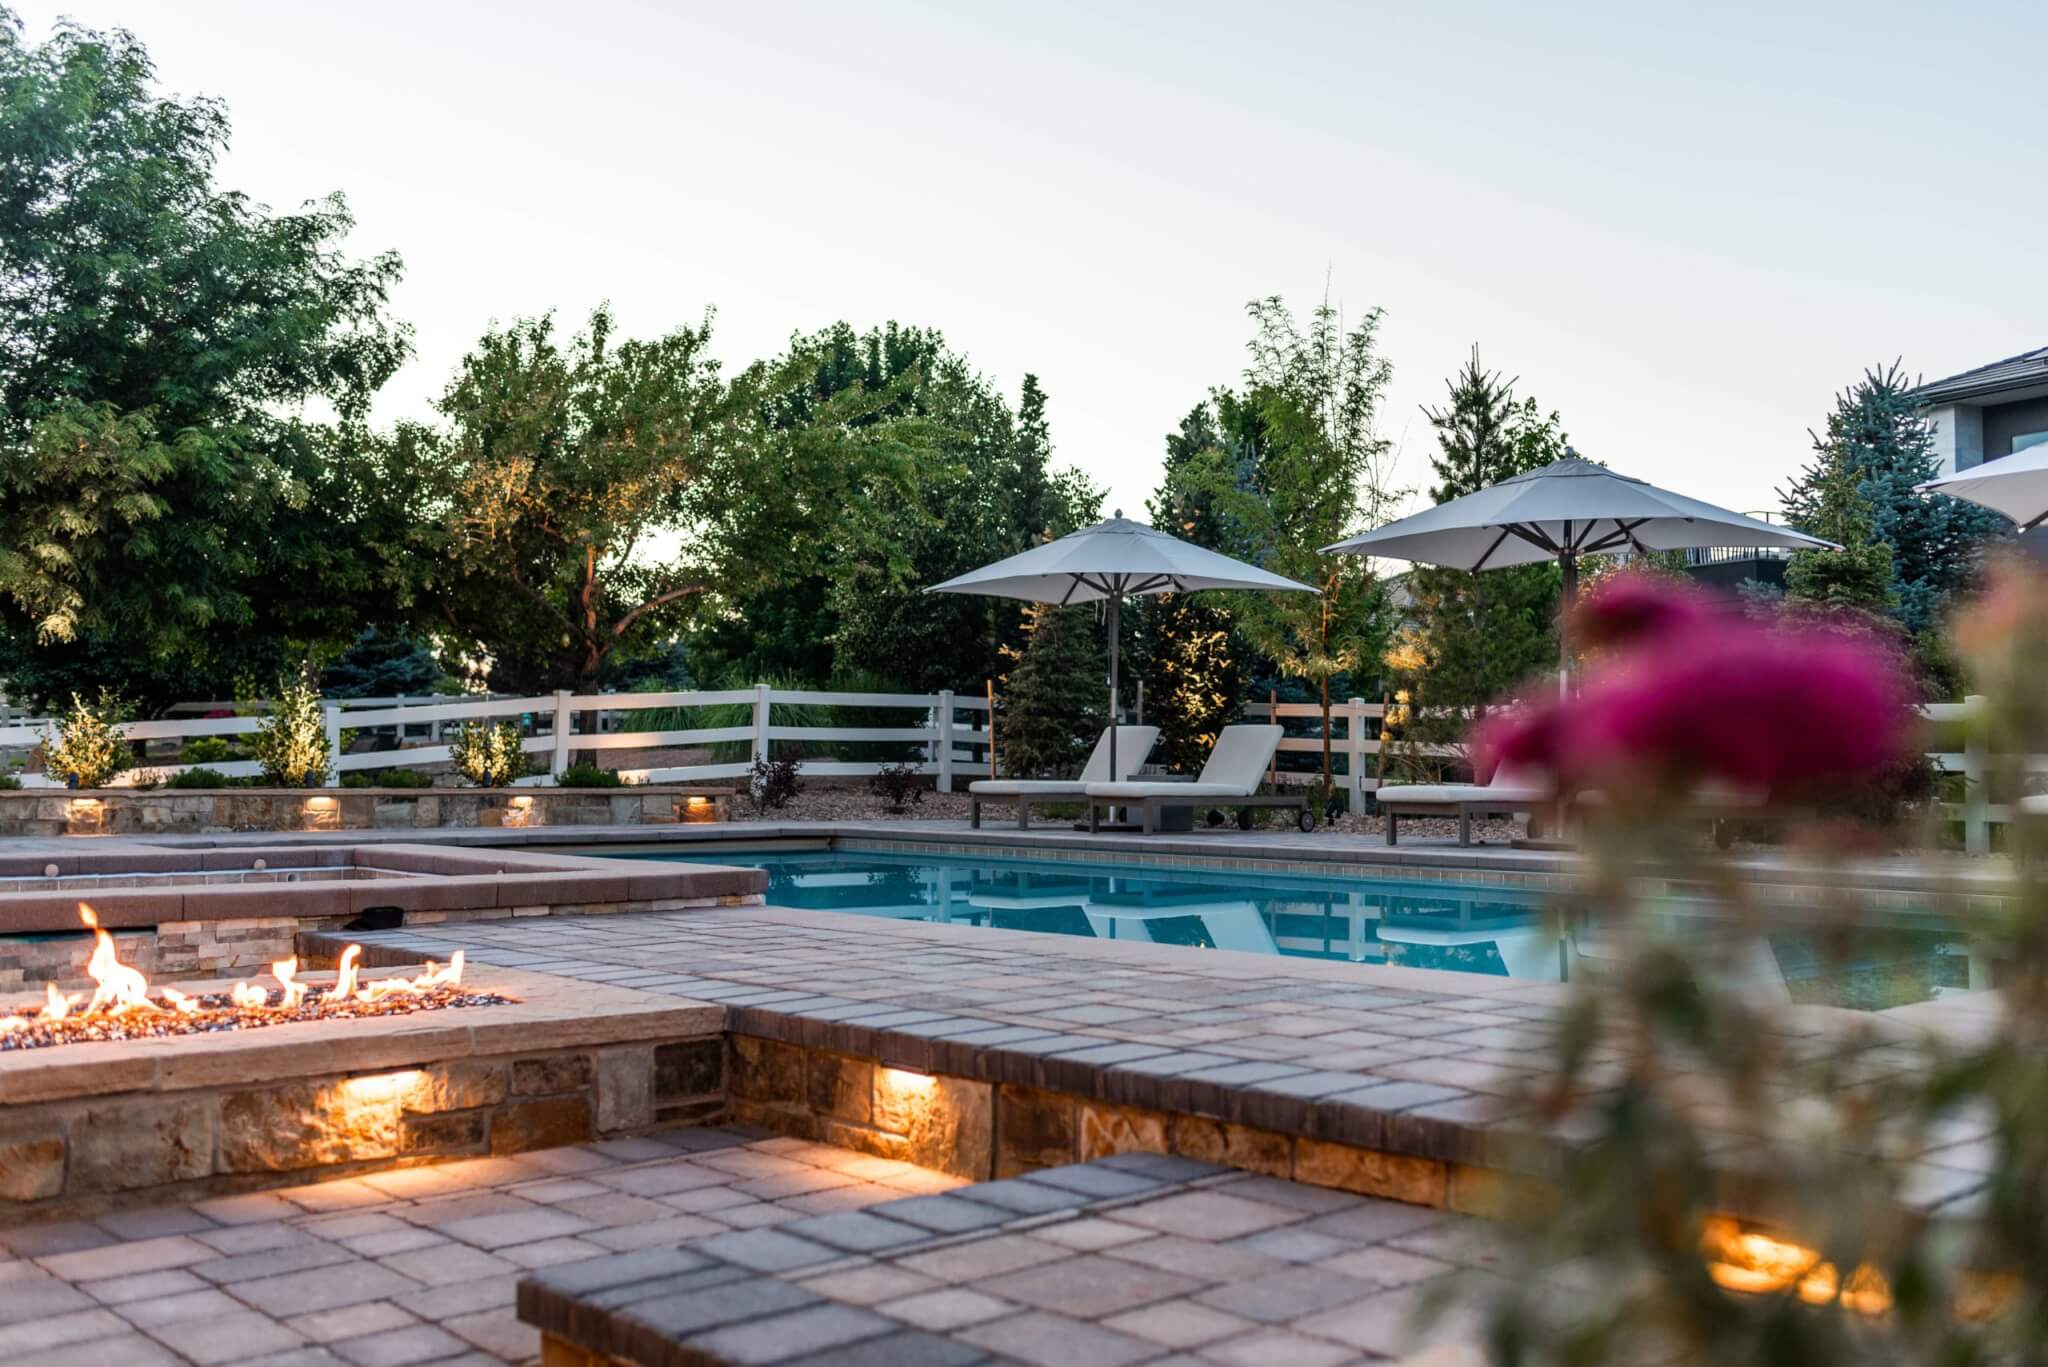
{"x":86,"y":1128}
{"x":231,"y":912}
{"x":163,"y":811}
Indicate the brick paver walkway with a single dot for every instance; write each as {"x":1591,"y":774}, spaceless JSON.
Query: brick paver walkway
{"x":412,"y":1266}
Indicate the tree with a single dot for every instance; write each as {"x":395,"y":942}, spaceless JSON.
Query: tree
{"x":1859,"y":576}
{"x":166,"y":499}
{"x":1053,"y":699}
{"x":1189,"y":655}
{"x":1475,"y":635}
{"x":983,"y":488}
{"x":1302,"y":466}
{"x":1878,"y":433}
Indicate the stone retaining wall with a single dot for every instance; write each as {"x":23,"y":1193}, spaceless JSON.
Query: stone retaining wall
{"x":164,"y":811}
{"x":984,"y":1130}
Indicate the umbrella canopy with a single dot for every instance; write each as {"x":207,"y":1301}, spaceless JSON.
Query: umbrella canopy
{"x":2016,"y":486}
{"x":1562,"y":511}
{"x":1112,"y":560}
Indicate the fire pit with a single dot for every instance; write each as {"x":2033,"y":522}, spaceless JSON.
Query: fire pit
{"x":121,"y":1007}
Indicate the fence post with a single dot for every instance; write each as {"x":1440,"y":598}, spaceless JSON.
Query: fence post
{"x":332,"y":714}
{"x":563,"y":720}
{"x":761,"y":722}
{"x":1976,"y":819}
{"x":945,"y":740}
{"x":1354,"y":763}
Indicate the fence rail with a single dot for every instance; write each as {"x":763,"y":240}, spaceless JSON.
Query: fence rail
{"x":947,"y":734}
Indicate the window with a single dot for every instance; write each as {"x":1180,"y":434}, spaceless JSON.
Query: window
{"x":2022,"y":440}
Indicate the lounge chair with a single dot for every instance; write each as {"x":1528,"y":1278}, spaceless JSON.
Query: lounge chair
{"x":1133,"y":743}
{"x":1508,"y":794}
{"x":1230,"y":779}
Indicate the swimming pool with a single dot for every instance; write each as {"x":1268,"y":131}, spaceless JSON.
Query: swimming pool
{"x":1497,"y":931}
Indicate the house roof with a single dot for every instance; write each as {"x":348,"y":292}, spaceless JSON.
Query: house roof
{"x":2024,"y":371}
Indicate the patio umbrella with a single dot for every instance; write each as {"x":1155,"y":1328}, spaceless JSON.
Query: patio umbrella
{"x":1112,"y":560}
{"x":2016,"y":486}
{"x":1562,"y":511}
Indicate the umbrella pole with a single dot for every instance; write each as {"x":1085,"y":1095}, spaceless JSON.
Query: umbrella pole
{"x":1116,"y":604}
{"x":1568,"y":565}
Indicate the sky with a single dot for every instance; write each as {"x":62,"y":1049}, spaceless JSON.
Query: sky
{"x":1682,"y":227}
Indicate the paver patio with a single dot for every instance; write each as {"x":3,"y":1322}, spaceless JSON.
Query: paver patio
{"x":411,"y":1266}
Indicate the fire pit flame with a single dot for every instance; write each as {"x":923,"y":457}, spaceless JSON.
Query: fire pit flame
{"x":121,"y":1006}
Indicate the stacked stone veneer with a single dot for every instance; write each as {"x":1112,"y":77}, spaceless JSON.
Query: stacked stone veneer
{"x":233,"y":912}
{"x":131,"y":811}
{"x":275,"y":1107}
{"x":982,"y":1129}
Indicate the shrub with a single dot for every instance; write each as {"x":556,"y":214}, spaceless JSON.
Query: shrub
{"x":584,"y":774}
{"x":488,"y":755}
{"x":387,"y":778}
{"x":898,"y":785}
{"x":771,"y":783}
{"x":206,"y":750}
{"x":291,"y":743}
{"x":85,"y":746}
{"x":199,"y":778}
{"x":8,"y":783}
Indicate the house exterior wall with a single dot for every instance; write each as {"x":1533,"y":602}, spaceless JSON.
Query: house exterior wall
{"x":2002,"y":422}
{"x":1958,"y":431}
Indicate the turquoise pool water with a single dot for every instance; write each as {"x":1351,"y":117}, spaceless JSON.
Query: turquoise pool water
{"x":1495,"y":931}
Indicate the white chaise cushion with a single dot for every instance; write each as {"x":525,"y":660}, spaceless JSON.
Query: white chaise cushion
{"x":1133,"y":744}
{"x":1235,"y":767}
{"x":1457,"y":794}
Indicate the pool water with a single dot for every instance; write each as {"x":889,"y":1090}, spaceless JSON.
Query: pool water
{"x":1499,"y":932}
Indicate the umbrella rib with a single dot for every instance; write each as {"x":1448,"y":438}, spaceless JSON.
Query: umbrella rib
{"x":1068,"y":596}
{"x":1535,"y":536}
{"x":1480,"y":564}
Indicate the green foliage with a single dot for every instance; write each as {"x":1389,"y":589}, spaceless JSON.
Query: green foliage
{"x":1302,"y":465}
{"x":291,"y":743}
{"x":1878,"y":437}
{"x":199,"y":778}
{"x":85,"y":747}
{"x":1053,"y":700}
{"x":773,"y":784}
{"x":206,"y":750}
{"x":488,"y":754}
{"x":1191,"y":659}
{"x":386,"y":778}
{"x":9,"y":783}
{"x":585,"y":774}
{"x":383,"y":664}
{"x":1860,"y":575}
{"x":900,"y":786}
{"x":1473,"y":637}
{"x":163,"y":500}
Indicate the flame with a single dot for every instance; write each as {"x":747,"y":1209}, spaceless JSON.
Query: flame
{"x":1751,"y":1261}
{"x":345,"y":975}
{"x":285,"y":970}
{"x":120,"y":989}
{"x":116,"y":986}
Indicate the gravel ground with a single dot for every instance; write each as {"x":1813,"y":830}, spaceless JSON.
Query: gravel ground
{"x":820,"y":802}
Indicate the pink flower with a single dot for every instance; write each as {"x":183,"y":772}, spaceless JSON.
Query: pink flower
{"x":1631,"y":607}
{"x":1773,"y":710}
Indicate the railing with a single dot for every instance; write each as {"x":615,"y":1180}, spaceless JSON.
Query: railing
{"x":947,"y":745}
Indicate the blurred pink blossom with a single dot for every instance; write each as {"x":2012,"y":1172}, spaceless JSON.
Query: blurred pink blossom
{"x":1630,"y":607}
{"x":1708,"y":697}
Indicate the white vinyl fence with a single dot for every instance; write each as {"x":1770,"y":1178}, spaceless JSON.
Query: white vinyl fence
{"x":949,"y":735}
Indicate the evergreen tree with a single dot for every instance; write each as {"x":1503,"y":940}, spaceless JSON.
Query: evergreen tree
{"x":1474,"y":636}
{"x":1191,"y":660}
{"x":1858,"y":576}
{"x":1053,"y":699}
{"x":1878,"y":433}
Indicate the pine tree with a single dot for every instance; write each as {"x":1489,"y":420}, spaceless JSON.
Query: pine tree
{"x":1191,"y":659}
{"x":1879,"y":434}
{"x":1475,"y":636}
{"x":1053,"y":699}
{"x":1858,"y":576}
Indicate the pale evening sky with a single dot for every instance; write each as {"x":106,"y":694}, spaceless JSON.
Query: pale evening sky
{"x":1683,"y":227}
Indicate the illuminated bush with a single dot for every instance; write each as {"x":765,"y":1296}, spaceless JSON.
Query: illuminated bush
{"x":85,"y":747}
{"x":488,"y":755}
{"x":291,"y":743}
